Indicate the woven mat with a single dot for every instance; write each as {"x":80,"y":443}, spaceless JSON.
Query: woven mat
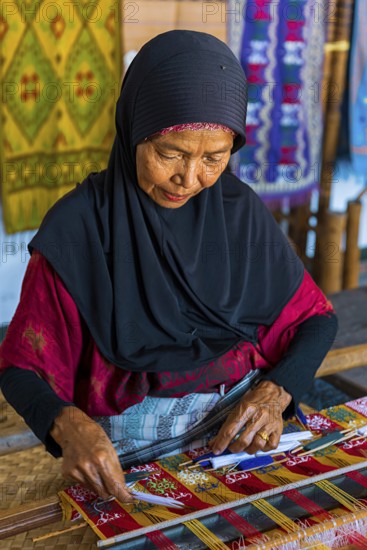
{"x":8,"y":417}
{"x":32,"y":475}
{"x":27,"y":476}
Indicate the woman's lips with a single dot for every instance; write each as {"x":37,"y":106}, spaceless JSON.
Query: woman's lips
{"x":176,"y":198}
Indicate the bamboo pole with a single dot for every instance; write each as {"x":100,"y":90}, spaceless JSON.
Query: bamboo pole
{"x":335,"y":68}
{"x":352,"y":252}
{"x":298,"y":228}
{"x":328,"y":254}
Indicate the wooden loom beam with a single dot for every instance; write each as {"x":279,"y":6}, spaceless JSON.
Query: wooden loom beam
{"x":336,"y":359}
{"x":31,"y":516}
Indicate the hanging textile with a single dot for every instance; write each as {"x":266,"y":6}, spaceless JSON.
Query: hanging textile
{"x":358,"y":90}
{"x":60,"y":77}
{"x":280,"y":46}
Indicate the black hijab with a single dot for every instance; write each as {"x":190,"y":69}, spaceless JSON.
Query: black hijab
{"x":170,"y":289}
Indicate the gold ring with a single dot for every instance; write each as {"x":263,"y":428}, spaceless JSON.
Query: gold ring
{"x":263,"y":436}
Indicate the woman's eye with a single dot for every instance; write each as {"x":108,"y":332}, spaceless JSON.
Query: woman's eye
{"x":211,"y":160}
{"x":168,"y":157}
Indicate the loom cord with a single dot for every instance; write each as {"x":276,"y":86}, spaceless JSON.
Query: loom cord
{"x":240,"y":523}
{"x":341,"y":496}
{"x":195,"y":526}
{"x":205,"y":535}
{"x":161,"y":541}
{"x":275,"y":515}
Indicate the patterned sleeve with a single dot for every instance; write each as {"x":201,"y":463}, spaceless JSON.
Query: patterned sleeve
{"x":45,"y":335}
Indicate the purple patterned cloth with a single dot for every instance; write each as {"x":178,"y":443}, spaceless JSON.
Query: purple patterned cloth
{"x":358,"y":91}
{"x":280,"y":46}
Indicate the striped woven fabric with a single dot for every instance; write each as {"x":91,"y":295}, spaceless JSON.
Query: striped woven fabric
{"x":319,"y":499}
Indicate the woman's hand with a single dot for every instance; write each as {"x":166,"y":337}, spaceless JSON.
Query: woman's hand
{"x":88,"y":455}
{"x":260,"y":410}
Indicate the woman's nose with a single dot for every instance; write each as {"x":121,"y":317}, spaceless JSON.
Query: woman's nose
{"x":188,"y":176}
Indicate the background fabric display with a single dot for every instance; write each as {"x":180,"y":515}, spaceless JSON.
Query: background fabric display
{"x":61,"y":69}
{"x":358,"y":90}
{"x":280,"y":46}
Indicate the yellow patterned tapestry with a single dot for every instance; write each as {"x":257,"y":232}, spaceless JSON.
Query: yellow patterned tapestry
{"x":60,"y":71}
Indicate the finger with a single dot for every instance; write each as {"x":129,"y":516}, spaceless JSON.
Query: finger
{"x":94,"y":480}
{"x":110,"y":471}
{"x":273,"y":442}
{"x":115,"y":483}
{"x":258,"y":443}
{"x":235,"y":421}
{"x":87,"y":477}
{"x":251,"y":444}
{"x":92,"y":474}
{"x":247,"y":438}
{"x":73,"y":476}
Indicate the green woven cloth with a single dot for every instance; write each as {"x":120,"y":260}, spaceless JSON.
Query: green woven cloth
{"x":60,"y":70}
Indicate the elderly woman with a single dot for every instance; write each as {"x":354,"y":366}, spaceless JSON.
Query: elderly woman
{"x":161,"y":287}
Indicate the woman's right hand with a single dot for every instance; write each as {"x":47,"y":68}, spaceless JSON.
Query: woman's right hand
{"x":88,"y":455}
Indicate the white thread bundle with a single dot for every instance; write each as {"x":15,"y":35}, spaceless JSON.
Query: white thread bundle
{"x":362,"y":430}
{"x":287,"y":442}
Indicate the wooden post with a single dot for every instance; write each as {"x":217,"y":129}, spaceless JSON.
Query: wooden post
{"x":335,"y":67}
{"x":299,"y":227}
{"x":352,"y":252}
{"x":329,"y":256}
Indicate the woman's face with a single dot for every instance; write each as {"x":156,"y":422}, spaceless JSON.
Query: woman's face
{"x":175,"y":167}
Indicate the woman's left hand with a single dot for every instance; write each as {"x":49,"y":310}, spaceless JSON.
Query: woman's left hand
{"x":260,"y":410}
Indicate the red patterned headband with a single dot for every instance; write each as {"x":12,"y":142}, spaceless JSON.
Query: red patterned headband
{"x":195,"y":126}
